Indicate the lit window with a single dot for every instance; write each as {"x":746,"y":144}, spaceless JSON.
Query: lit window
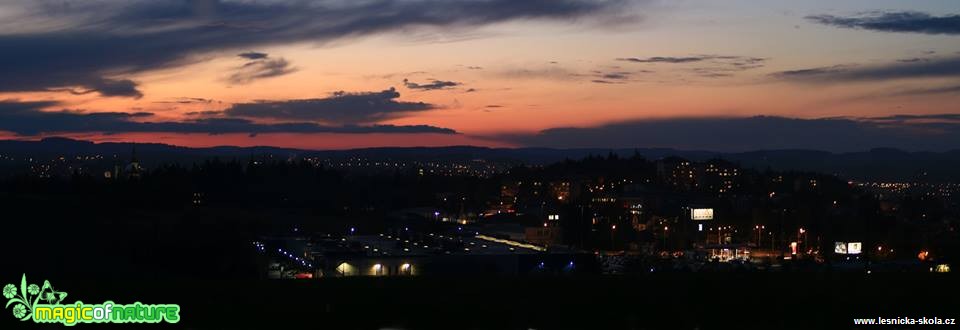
{"x":345,"y":269}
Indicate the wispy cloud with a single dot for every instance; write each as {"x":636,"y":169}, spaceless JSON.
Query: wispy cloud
{"x":550,"y":72}
{"x":734,"y":60}
{"x":952,"y":117}
{"x":663,"y":59}
{"x":607,"y":82}
{"x":254,"y":55}
{"x":904,"y":21}
{"x":189,"y":100}
{"x":260,"y":66}
{"x":932,"y":68}
{"x":935,"y":90}
{"x":613,"y":77}
{"x":708,"y":66}
{"x":103,"y":86}
{"x":432,"y":85}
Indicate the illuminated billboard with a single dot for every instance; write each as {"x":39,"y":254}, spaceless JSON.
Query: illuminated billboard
{"x":854,"y":248}
{"x":701,"y":214}
{"x":848,"y":248}
{"x":840,"y":247}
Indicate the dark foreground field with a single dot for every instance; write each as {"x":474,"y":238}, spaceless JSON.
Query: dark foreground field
{"x":203,"y":260}
{"x":668,"y":301}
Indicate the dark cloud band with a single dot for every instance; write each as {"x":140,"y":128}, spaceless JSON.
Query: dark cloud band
{"x":27,"y":118}
{"x":912,"y":22}
{"x":105,"y":41}
{"x":340,"y":108}
{"x":936,"y":133}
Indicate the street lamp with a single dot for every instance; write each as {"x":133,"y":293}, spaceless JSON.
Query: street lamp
{"x":799,"y":240}
{"x":771,"y":242}
{"x":759,"y":229}
{"x":665,"y":228}
{"x":613,"y":229}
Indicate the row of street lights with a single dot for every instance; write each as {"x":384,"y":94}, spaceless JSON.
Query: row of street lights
{"x":801,"y":235}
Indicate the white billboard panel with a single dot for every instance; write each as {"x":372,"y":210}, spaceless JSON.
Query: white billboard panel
{"x":701,"y":214}
{"x":840,"y":247}
{"x":854,"y":248}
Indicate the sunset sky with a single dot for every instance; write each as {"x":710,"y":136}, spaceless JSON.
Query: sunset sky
{"x":690,"y":74}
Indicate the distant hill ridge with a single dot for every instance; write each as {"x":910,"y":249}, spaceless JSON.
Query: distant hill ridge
{"x":875,"y":164}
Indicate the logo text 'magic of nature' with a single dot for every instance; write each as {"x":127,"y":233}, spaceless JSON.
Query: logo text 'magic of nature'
{"x":26,"y":302}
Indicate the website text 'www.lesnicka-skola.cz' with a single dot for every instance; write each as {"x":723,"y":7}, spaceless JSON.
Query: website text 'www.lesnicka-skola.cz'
{"x":905,"y":321}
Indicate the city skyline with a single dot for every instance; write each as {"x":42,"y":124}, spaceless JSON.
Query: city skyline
{"x":576,"y":73}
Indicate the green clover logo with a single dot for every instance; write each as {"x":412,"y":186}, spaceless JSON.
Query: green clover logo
{"x":28,"y":296}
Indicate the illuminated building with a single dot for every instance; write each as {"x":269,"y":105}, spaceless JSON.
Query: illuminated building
{"x":560,"y":191}
{"x":133,"y":170}
{"x":389,"y":255}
